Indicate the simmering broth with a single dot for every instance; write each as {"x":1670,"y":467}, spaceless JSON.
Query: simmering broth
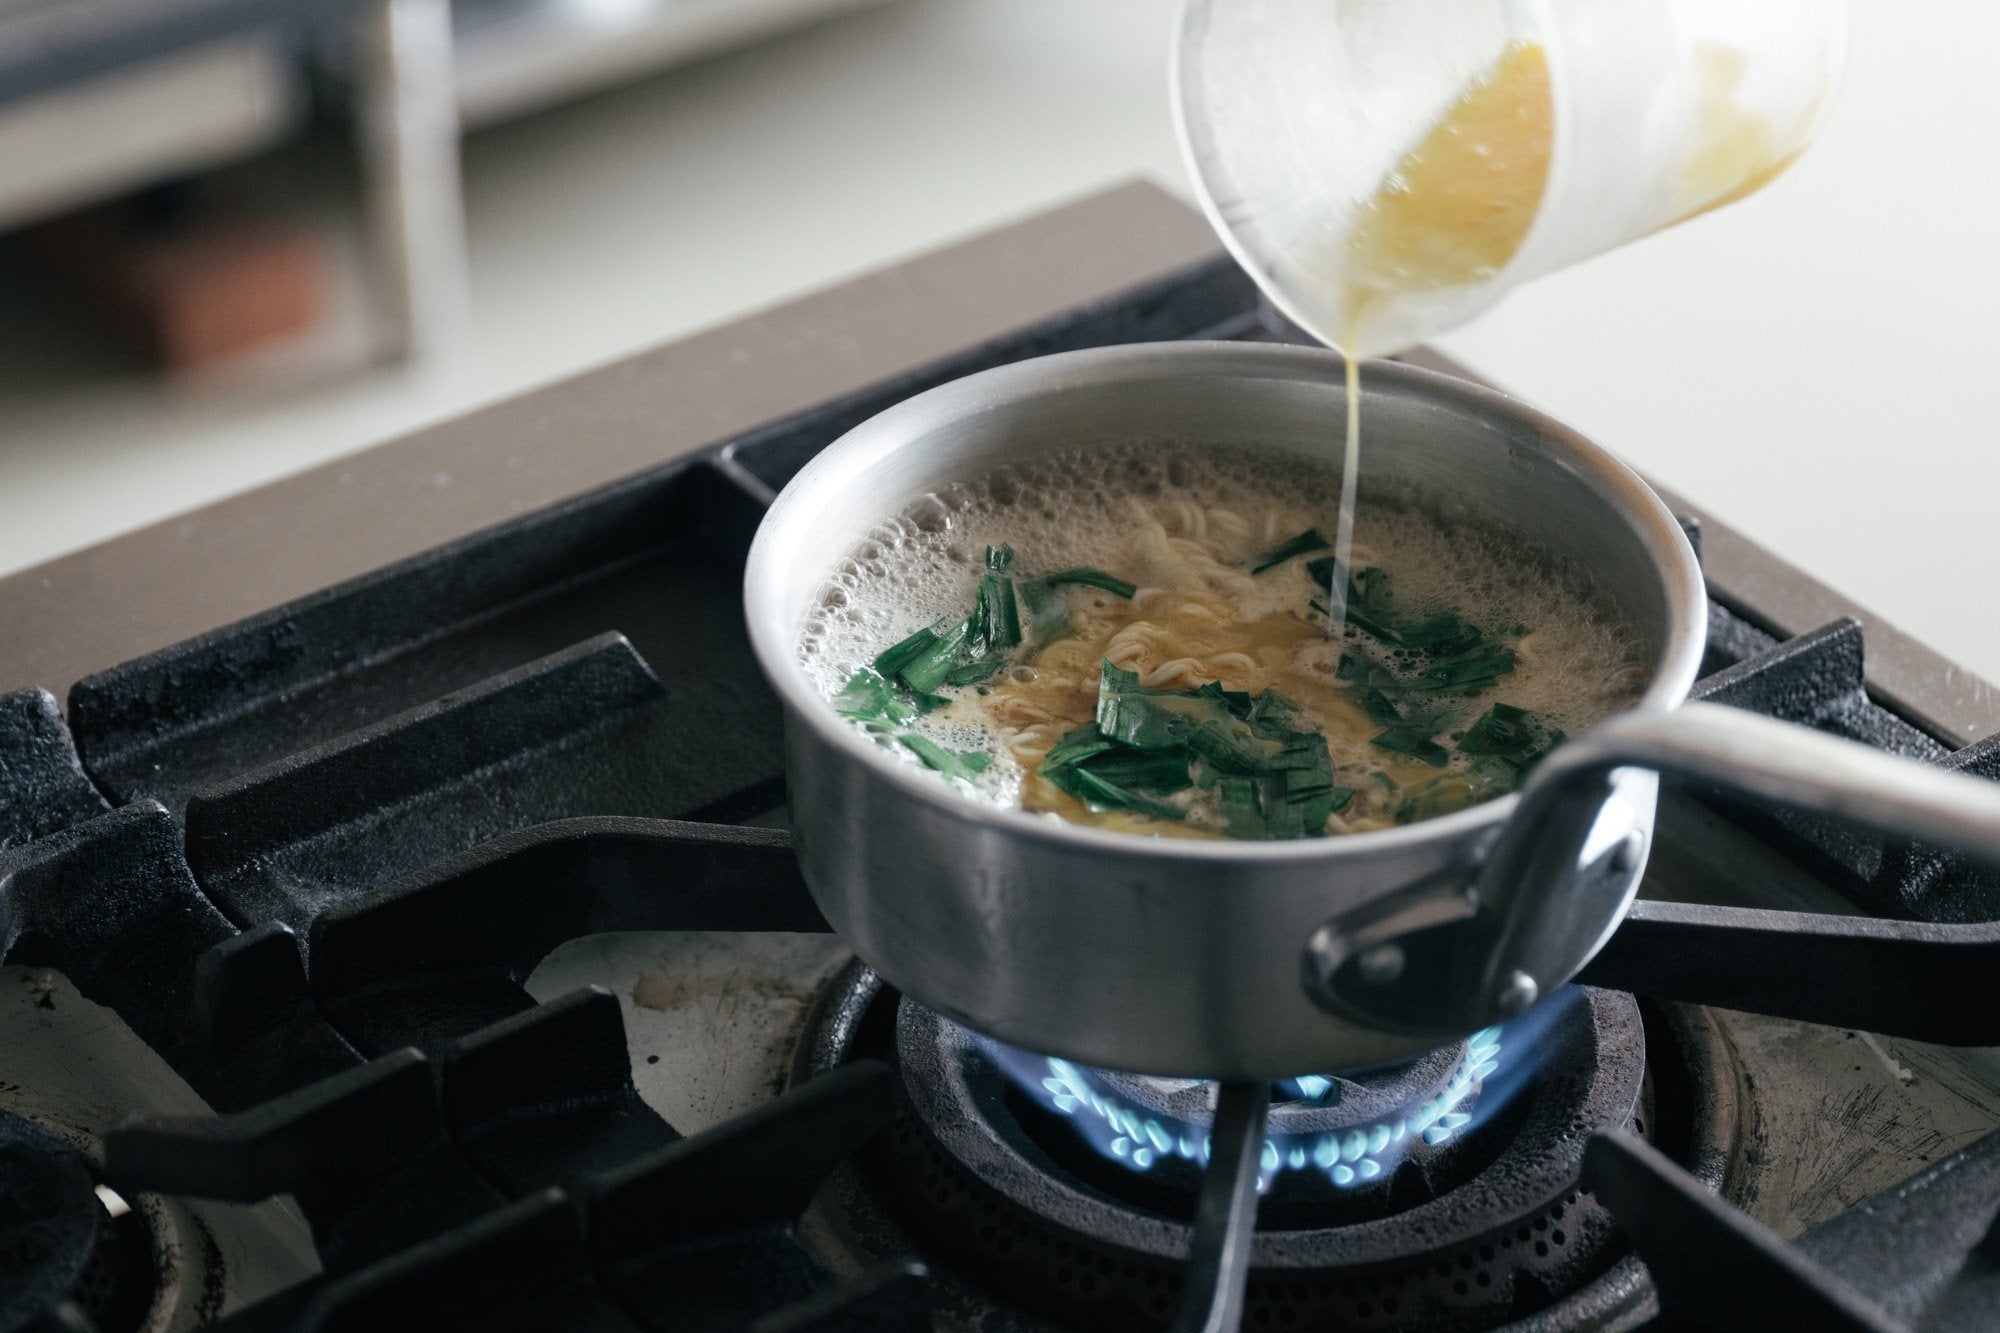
{"x":1191,"y":583}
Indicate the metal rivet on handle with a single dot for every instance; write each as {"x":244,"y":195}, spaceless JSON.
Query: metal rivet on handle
{"x":1517,"y":993}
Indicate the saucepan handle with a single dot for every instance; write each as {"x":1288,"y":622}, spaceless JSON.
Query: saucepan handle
{"x":1546,"y":900}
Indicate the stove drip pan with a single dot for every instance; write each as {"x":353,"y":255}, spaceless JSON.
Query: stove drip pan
{"x":1032,"y":1222}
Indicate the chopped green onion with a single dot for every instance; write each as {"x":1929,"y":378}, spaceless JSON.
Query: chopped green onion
{"x":1048,"y":610}
{"x":999,"y":558}
{"x":1368,"y":625}
{"x":1303,"y":544}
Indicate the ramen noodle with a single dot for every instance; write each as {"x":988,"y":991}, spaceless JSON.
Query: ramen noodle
{"x":1137,"y":639}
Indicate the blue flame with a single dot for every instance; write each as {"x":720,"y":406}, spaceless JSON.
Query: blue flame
{"x":1346,"y":1157}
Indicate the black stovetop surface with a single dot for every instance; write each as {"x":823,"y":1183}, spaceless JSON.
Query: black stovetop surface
{"x":311,"y":859}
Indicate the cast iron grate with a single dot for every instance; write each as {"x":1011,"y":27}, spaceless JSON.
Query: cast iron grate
{"x":346,"y":830}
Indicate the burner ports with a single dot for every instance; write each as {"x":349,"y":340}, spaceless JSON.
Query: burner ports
{"x":1023,"y":1220}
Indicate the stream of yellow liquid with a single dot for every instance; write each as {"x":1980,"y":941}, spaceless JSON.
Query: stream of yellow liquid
{"x":1453,"y":210}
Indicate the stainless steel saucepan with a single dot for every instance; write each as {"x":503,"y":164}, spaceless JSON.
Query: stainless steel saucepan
{"x":1239,"y":960}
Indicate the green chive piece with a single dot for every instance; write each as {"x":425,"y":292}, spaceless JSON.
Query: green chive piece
{"x":891,"y":660}
{"x":871,"y":700}
{"x":932,"y":666}
{"x":994,"y":626}
{"x":1048,"y":611}
{"x":1443,"y":796}
{"x":1154,"y":771}
{"x":1076,"y":747}
{"x":1100,"y":794}
{"x":1443,"y":634}
{"x":1510,"y":735}
{"x":999,"y":558}
{"x":1380,"y":710}
{"x":1271,"y":711}
{"x":1306,"y":542}
{"x":1412,"y":743}
{"x":1230,"y":745}
{"x":964,"y":765}
{"x":1091,"y":578}
{"x":1368,"y":608}
{"x":1370,"y":590}
{"x":1501,"y":729}
{"x":1476,"y":668}
{"x":976,"y":672}
{"x":1245,"y":706}
{"x":1241,"y":816}
{"x":1136,"y":716}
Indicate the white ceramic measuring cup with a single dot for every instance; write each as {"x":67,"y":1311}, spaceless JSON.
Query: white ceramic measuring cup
{"x":1299,"y":119}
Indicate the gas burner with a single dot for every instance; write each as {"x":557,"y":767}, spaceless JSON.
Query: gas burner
{"x":74,"y":1252}
{"x":1349,"y":1131}
{"x":1036,"y":1217}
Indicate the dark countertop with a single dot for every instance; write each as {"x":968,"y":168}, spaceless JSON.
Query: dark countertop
{"x":107,"y":603}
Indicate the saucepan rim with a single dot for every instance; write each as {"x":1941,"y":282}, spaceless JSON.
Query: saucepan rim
{"x":830,"y":475}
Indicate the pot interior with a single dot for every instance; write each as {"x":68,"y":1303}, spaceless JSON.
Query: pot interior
{"x":1474,"y":455}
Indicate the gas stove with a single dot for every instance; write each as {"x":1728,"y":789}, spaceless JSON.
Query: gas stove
{"x":428,"y":952}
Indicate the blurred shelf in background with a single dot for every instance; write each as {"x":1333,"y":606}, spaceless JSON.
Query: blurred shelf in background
{"x":103,"y":98}
{"x":98,"y":97}
{"x":514,"y":56}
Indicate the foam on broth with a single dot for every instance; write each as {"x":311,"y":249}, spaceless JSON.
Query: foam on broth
{"x":1186,"y":525}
